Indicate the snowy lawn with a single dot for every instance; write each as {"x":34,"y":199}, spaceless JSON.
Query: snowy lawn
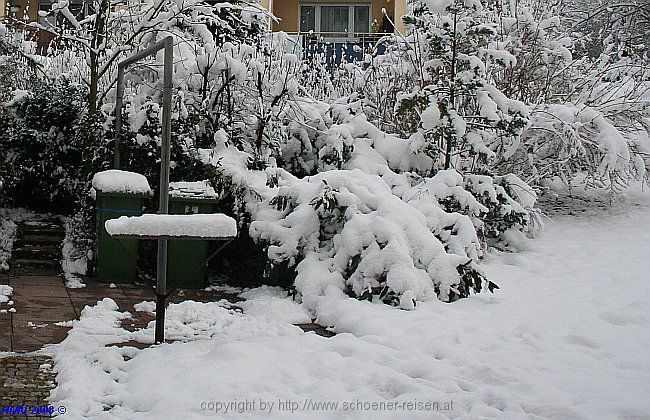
{"x":566,"y":337}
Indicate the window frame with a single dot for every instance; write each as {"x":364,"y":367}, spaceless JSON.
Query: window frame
{"x":78,"y":8}
{"x":335,"y":36}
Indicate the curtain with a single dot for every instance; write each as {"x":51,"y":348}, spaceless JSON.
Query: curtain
{"x":334,"y":18}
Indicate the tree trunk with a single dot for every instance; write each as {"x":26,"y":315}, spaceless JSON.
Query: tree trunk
{"x":96,"y":42}
{"x":452,"y":89}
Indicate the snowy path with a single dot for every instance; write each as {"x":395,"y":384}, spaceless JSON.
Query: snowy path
{"x":566,"y":337}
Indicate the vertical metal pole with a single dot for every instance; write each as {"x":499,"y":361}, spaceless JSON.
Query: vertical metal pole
{"x":165,"y":157}
{"x":118,"y":116}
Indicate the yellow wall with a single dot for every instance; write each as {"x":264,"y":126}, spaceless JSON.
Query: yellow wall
{"x":30,"y":5}
{"x":287,"y":10}
{"x":400,"y":10}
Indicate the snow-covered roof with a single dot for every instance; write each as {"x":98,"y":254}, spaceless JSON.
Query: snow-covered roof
{"x":116,"y":181}
{"x":182,"y":226}
{"x":197,"y":189}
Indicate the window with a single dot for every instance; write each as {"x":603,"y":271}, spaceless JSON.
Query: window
{"x":49,"y":20}
{"x":307,"y":18}
{"x":362,"y":19}
{"x":335,"y":20}
{"x":76,"y":7}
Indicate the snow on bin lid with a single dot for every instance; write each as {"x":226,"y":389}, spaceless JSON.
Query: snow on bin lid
{"x":116,"y":181}
{"x":188,"y":226}
{"x":197,"y":189}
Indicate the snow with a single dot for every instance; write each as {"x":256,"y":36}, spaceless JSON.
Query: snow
{"x":196,"y":189}
{"x":73,"y":282}
{"x":7,"y":237}
{"x":116,"y":181}
{"x":5,"y":292}
{"x":565,"y":337}
{"x":174,"y":225}
{"x":146,"y":306}
{"x":437,"y":6}
{"x":74,"y":261}
{"x":431,"y":117}
{"x":272,"y":303}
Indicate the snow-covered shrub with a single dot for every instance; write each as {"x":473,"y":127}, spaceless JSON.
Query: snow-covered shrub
{"x":588,"y":114}
{"x":620,"y":22}
{"x":363,"y":219}
{"x":39,"y":160}
{"x":446,"y":101}
{"x":495,"y":87}
{"x":501,"y":204}
{"x":564,"y":141}
{"x":18,"y":69}
{"x":370,"y":242}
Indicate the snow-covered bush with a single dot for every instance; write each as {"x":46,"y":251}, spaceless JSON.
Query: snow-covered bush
{"x":40,"y":162}
{"x":444,"y":99}
{"x":370,"y":242}
{"x":620,"y":22}
{"x":363,"y":219}
{"x":495,"y":87}
{"x":588,"y":115}
{"x":18,"y":69}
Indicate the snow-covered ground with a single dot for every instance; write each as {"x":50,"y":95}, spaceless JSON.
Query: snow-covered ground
{"x":566,"y":337}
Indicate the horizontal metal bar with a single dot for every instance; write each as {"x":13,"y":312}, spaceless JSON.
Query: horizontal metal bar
{"x":120,"y":211}
{"x":177,"y":238}
{"x":143,"y":54}
{"x":361,"y":34}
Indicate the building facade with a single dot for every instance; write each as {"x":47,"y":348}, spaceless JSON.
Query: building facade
{"x":294,"y":16}
{"x":337,"y":19}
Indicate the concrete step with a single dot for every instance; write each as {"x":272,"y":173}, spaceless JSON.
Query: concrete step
{"x":34,"y":271}
{"x":29,"y":239}
{"x":42,"y":231}
{"x":34,"y":263}
{"x":37,"y":252}
{"x":43,"y":228}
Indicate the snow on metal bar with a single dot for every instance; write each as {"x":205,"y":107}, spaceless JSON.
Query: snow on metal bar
{"x":174,"y":226}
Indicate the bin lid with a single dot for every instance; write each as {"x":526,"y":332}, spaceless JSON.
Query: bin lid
{"x":115,"y":181}
{"x":200,"y":190}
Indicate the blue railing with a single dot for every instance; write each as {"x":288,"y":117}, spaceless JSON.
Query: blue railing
{"x":337,"y":49}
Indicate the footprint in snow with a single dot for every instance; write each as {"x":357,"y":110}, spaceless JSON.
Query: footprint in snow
{"x":621,"y":319}
{"x":581,"y":340}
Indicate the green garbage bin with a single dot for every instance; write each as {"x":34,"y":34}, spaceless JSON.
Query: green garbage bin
{"x":116,"y":262}
{"x":186,"y":268}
